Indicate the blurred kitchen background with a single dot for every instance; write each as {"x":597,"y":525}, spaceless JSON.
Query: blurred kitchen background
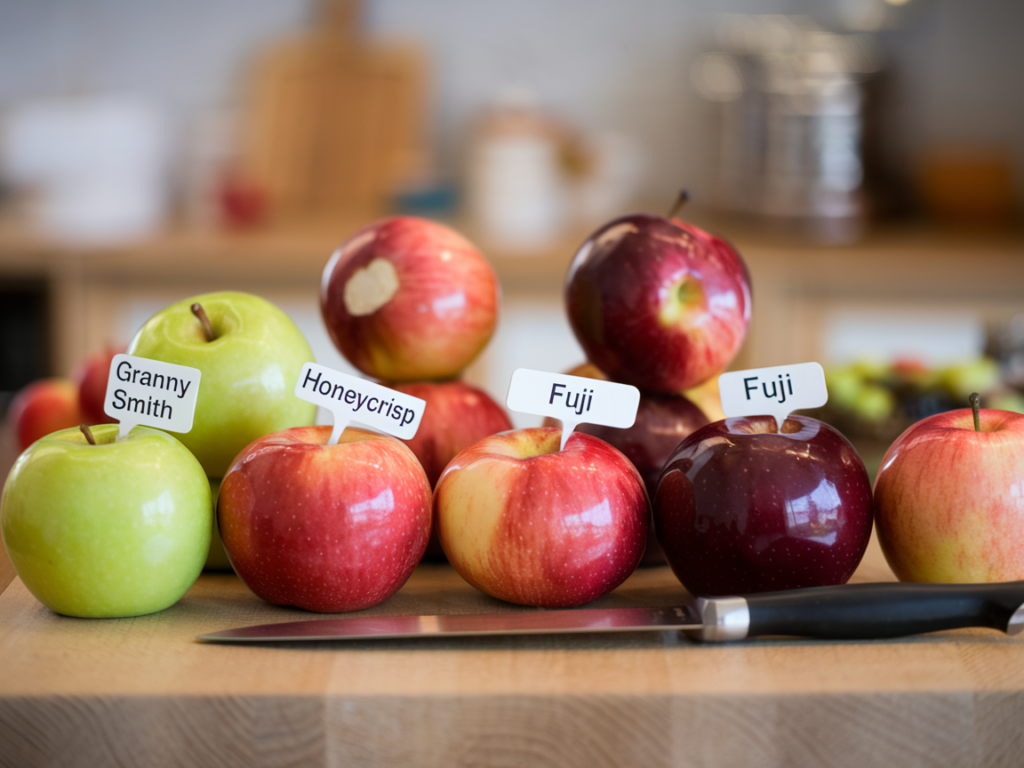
{"x":866,"y":156}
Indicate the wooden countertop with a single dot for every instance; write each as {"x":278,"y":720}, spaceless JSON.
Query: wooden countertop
{"x":144,"y":691}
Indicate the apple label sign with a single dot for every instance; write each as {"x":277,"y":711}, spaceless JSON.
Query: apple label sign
{"x":572,"y":400}
{"x":775,"y":391}
{"x":152,"y":393}
{"x":351,"y":398}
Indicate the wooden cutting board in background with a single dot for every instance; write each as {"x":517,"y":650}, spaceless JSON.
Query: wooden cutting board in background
{"x":334,"y":122}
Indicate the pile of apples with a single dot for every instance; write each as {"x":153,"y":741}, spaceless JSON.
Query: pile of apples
{"x":47,"y":405}
{"x":98,"y":525}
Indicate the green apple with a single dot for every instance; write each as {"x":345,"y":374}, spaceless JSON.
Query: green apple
{"x":250,"y":357}
{"x":119,"y":528}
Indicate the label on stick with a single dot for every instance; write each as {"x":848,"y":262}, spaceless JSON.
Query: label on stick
{"x":151,"y":392}
{"x":775,"y":391}
{"x":351,"y":398}
{"x":572,"y":399}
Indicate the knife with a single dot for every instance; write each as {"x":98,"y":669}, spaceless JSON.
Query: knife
{"x":846,"y":612}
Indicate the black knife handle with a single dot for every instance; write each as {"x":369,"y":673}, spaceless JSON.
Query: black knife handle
{"x":866,"y":611}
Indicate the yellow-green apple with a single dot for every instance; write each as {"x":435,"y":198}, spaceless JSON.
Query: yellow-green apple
{"x":658,"y":303}
{"x":949,"y":498}
{"x":325,"y":527}
{"x":527,"y":523}
{"x":742,"y":507}
{"x":456,"y":416}
{"x":116,"y":528}
{"x":91,"y":378}
{"x":406,"y":299}
{"x":249,"y":353}
{"x":42,"y":407}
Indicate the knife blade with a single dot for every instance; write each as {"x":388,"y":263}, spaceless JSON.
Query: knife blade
{"x":846,"y":612}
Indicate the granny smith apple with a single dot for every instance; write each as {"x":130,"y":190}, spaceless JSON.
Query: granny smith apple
{"x":119,"y":528}
{"x":249,"y":353}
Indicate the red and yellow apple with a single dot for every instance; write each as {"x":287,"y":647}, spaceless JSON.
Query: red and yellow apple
{"x":525,"y":522}
{"x":949,"y":500}
{"x":43,"y":407}
{"x":742,"y":507}
{"x":325,"y":527}
{"x":658,"y":303}
{"x":406,"y":299}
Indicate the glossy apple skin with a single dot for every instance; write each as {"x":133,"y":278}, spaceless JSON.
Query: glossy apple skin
{"x":456,"y":416}
{"x":91,"y":378}
{"x":325,"y":527}
{"x":248,"y":371}
{"x":43,"y":407}
{"x":949,"y":505}
{"x":622,"y":298}
{"x":741,"y":508}
{"x":116,"y":529}
{"x":529,"y":524}
{"x":662,"y":421}
{"x":440,"y":316}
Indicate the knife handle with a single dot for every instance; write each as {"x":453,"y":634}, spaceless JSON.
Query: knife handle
{"x":869,"y":611}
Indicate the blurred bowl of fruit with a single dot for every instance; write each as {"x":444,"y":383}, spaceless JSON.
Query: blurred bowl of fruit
{"x":873,"y":402}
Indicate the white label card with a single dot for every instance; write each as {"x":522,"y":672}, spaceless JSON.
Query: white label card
{"x":775,"y":391}
{"x":351,"y":398}
{"x":151,"y":392}
{"x":572,"y":399}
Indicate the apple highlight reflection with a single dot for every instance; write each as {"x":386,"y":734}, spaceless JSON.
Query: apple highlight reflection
{"x":743,"y":508}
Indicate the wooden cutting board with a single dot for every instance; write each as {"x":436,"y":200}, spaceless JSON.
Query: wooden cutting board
{"x":334,"y":122}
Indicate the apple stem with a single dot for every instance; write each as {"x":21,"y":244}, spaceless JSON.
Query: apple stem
{"x":88,"y":434}
{"x":975,"y":401}
{"x":198,"y":311}
{"x":683,"y":199}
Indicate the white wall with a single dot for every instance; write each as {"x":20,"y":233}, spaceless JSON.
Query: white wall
{"x":603,"y":64}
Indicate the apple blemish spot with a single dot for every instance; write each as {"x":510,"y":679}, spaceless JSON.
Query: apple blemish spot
{"x":151,"y":392}
{"x":573,"y":400}
{"x":351,"y":398}
{"x":775,"y":391}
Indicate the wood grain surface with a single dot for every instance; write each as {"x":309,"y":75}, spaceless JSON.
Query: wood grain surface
{"x":143,"y":691}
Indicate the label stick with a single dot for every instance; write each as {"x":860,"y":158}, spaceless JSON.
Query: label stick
{"x":351,"y":398}
{"x":572,"y":400}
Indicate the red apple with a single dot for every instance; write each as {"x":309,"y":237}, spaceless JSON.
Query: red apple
{"x":91,"y":378}
{"x":743,"y":508}
{"x":42,"y":407}
{"x":662,"y":421}
{"x":658,"y":303}
{"x":527,"y":523}
{"x":949,"y":500}
{"x":456,"y":416}
{"x":406,"y":299}
{"x":325,"y":527}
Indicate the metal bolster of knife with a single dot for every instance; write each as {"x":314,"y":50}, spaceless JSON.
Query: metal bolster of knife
{"x":724,"y":619}
{"x":1016,"y":624}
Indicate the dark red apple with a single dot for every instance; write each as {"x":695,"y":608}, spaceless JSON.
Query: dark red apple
{"x":658,"y":303}
{"x":91,"y":378}
{"x":325,"y":527}
{"x":456,"y":416}
{"x":407,"y":299}
{"x":743,"y":508}
{"x":531,"y":524}
{"x":42,"y":407}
